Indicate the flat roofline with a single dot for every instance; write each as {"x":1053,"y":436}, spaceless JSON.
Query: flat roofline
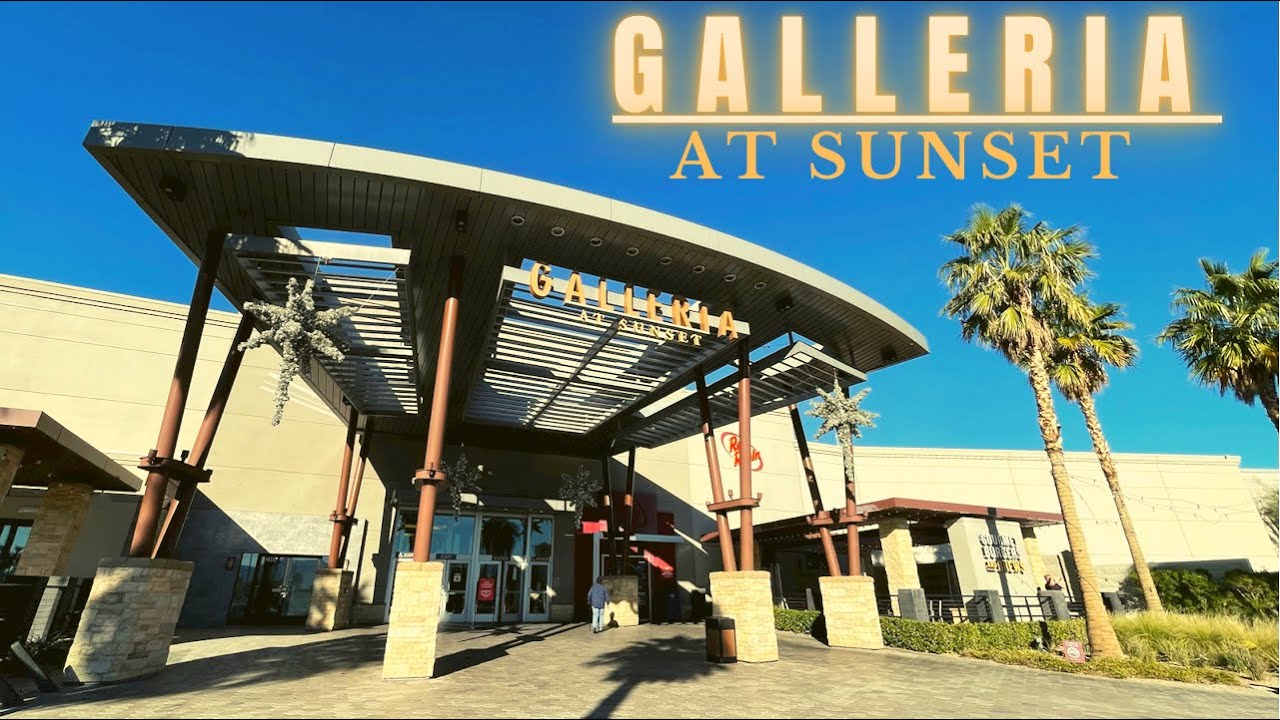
{"x":53,"y":452}
{"x":908,"y":508}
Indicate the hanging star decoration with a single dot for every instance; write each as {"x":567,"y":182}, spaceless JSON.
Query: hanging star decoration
{"x":300,"y":333}
{"x":462,"y":478}
{"x":581,"y":490}
{"x":842,"y":414}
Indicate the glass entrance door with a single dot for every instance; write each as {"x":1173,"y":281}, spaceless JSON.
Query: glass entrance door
{"x":539,"y":607}
{"x":512,"y":592}
{"x":486,"y":603}
{"x":272,"y":589}
{"x":456,"y":587}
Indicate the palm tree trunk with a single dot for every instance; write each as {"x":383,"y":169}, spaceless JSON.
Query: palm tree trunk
{"x":1102,"y":637}
{"x":1267,"y":393}
{"x":1103,"y":451}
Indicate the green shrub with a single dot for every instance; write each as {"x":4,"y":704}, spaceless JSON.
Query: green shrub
{"x":1245,"y":647}
{"x":1241,"y":593}
{"x":937,"y":637}
{"x":796,"y":621}
{"x":1107,"y":667}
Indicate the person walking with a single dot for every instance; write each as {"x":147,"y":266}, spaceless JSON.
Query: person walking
{"x":597,"y":598}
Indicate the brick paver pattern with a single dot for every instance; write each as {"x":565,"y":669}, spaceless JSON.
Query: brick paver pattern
{"x":646,"y":671}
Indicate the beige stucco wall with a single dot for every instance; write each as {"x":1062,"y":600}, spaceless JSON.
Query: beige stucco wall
{"x":1186,"y":508}
{"x":100,"y":363}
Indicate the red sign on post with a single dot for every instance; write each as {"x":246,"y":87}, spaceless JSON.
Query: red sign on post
{"x":486,"y":589}
{"x":1073,"y":650}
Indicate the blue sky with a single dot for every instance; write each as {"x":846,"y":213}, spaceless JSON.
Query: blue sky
{"x":527,"y":89}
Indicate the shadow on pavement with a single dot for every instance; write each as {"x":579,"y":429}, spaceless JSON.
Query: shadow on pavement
{"x":471,"y":657}
{"x":679,"y":659}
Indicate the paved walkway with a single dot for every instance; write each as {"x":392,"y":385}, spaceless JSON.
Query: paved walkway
{"x":650,"y":671}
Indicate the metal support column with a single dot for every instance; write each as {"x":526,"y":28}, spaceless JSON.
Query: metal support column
{"x":145,"y":527}
{"x":850,"y":515}
{"x":615,"y":567}
{"x":746,"y":531}
{"x":355,"y":490}
{"x":815,"y":494}
{"x":628,"y":500}
{"x":717,"y":487}
{"x":167,"y":544}
{"x":339,"y":515}
{"x":432,"y":473}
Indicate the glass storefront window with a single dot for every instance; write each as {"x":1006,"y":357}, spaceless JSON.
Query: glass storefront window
{"x":452,"y":535}
{"x":540,"y":538}
{"x":13,"y":537}
{"x":502,"y":537}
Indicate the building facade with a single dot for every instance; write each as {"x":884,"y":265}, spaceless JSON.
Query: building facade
{"x":512,"y":552}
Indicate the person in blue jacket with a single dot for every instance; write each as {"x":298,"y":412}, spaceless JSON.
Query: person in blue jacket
{"x":597,"y":598}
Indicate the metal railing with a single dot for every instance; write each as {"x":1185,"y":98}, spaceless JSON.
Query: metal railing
{"x":976,"y":608}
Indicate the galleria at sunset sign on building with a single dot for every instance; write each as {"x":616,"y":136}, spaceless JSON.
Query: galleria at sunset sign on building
{"x":645,"y":313}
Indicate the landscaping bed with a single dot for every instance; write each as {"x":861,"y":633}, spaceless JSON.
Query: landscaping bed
{"x":1217,"y":649}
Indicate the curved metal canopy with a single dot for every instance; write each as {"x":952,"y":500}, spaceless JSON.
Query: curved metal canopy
{"x":199,"y":184}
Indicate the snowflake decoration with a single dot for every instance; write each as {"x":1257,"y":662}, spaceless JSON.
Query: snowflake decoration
{"x":842,"y":414}
{"x":462,"y":478}
{"x":300,"y":333}
{"x":581,"y":490}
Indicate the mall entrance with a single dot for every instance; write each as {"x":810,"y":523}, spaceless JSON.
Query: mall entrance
{"x":497,"y":565}
{"x":272,"y":589}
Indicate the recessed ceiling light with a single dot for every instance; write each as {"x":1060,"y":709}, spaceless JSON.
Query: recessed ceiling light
{"x":665,"y":260}
{"x":557,"y":231}
{"x":699,"y":268}
{"x":517,"y":219}
{"x":759,"y":285}
{"x":633,"y":251}
{"x":595,"y":242}
{"x":730,"y":277}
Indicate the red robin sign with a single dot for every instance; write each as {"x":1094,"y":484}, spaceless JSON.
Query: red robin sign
{"x":731,"y":444}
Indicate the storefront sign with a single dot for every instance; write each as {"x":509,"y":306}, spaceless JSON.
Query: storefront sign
{"x":1000,"y":554}
{"x":486,"y":589}
{"x":730,"y":442}
{"x":678,"y":320}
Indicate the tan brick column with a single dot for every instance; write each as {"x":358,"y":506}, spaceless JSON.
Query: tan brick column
{"x":55,"y":529}
{"x":899,"y":559}
{"x":623,"y":608}
{"x":849,"y":606}
{"x":415,"y":617}
{"x":10,"y":459}
{"x":128,"y":621}
{"x":1035,"y":561}
{"x":331,"y":595}
{"x":747,"y":597}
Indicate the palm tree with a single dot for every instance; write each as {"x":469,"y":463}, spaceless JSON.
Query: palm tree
{"x":1226,"y":334}
{"x":1078,"y":366}
{"x":846,"y":417}
{"x":1005,"y":278}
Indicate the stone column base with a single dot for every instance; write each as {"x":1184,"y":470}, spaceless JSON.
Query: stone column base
{"x":330,"y":600}
{"x":747,"y":597}
{"x":128,"y":621}
{"x":623,"y":608}
{"x":849,"y":607}
{"x":415,"y":615}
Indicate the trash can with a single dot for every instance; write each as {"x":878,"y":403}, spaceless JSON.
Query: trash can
{"x":722,"y":640}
